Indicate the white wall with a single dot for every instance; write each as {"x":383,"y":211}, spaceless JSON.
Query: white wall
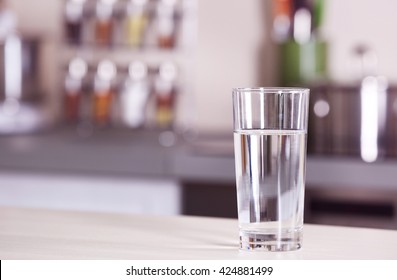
{"x":231,"y":34}
{"x":38,"y":16}
{"x":228,"y":45}
{"x":353,"y":22}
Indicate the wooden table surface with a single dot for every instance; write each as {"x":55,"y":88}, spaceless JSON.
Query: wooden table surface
{"x":50,"y":234}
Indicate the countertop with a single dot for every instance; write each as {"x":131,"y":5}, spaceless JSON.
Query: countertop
{"x":49,"y":234}
{"x":138,"y":153}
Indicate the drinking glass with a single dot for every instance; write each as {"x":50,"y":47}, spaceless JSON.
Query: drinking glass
{"x":270,"y":131}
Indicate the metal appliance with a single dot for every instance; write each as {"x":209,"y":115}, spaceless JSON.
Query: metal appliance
{"x":354,"y":120}
{"x":21,"y":94}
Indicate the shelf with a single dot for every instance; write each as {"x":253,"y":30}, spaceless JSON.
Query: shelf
{"x":123,"y":55}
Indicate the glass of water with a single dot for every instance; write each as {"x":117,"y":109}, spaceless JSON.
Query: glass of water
{"x":270,"y":128}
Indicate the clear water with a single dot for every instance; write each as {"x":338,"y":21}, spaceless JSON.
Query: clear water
{"x":270,"y":176}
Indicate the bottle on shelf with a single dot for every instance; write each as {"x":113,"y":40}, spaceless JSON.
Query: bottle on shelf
{"x":282,"y":20}
{"x":77,"y":70}
{"x":74,"y":21}
{"x":134,"y":95}
{"x":104,"y":22}
{"x":103,"y":92}
{"x":136,"y":22}
{"x":165,"y":91}
{"x":166,"y":23}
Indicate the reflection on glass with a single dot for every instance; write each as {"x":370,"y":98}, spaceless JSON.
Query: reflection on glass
{"x":373,"y":104}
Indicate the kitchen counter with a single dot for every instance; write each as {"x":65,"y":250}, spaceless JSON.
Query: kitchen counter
{"x":118,"y":152}
{"x":129,"y":171}
{"x":50,"y":234}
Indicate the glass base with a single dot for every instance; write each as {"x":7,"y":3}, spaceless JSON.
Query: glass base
{"x":284,"y":241}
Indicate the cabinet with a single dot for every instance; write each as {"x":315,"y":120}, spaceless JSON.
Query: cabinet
{"x":90,"y":193}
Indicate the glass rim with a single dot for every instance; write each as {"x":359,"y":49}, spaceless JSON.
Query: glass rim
{"x":271,"y":89}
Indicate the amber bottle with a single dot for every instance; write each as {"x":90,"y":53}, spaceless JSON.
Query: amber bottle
{"x":165,"y":92}
{"x":103,"y":93}
{"x":166,"y":23}
{"x":104,"y":22}
{"x":74,"y":89}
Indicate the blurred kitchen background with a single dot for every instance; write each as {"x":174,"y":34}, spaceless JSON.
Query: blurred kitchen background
{"x":125,"y":105}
